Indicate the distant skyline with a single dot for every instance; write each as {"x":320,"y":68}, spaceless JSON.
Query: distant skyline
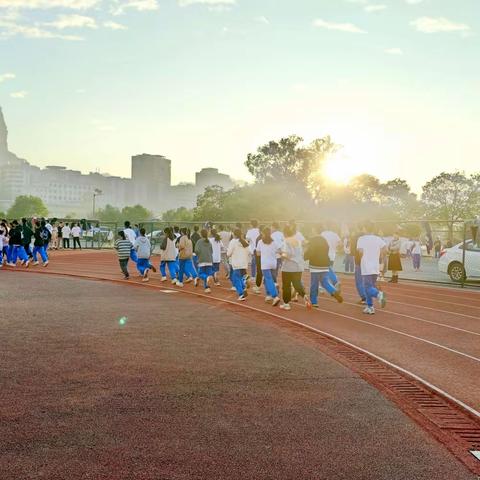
{"x":89,"y":83}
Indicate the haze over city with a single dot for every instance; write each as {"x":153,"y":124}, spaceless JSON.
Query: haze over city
{"x":88,"y":83}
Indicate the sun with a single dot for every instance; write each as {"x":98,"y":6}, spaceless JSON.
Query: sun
{"x":341,"y":168}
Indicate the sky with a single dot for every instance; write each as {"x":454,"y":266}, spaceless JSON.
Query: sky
{"x":89,"y":83}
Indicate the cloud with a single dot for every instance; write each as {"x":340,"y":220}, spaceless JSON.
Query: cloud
{"x":374,"y":8}
{"x":342,"y":27}
{"x":438,"y":24}
{"x":138,"y":5}
{"x":44,"y":4}
{"x":209,"y":3}
{"x":394,"y":51}
{"x":114,"y":25}
{"x":6,"y":76}
{"x":20,"y":94}
{"x":72,"y":21}
{"x":12,"y":29}
{"x":262,"y":19}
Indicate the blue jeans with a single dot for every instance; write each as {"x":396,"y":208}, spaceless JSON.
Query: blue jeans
{"x":269,"y":282}
{"x":186,"y":268}
{"x":143,"y":264}
{"x":315,"y":279}
{"x":371,"y":290}
{"x":18,"y":252}
{"x":41,"y":251}
{"x":172,"y":268}
{"x":332,"y":275}
{"x":238,"y":280}
{"x":349,"y":264}
{"x":133,"y":255}
{"x":359,"y":282}
{"x":204,"y":273}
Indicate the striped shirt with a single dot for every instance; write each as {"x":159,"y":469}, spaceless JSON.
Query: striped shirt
{"x":123,"y":248}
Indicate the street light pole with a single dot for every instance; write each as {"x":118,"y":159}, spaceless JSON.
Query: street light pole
{"x":96,"y":193}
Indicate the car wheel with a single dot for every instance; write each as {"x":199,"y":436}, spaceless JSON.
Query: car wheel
{"x":456,"y":272}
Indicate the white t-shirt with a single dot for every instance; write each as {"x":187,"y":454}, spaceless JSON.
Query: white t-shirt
{"x":268,"y":255}
{"x":371,"y":246}
{"x":417,"y":248}
{"x":76,"y":230}
{"x":217,"y":250}
{"x":65,"y":231}
{"x":278,"y":238}
{"x":333,"y":241}
{"x":251,"y":238}
{"x":130,"y":234}
{"x":225,"y":237}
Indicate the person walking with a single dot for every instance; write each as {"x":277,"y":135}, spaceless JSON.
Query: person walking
{"x":370,"y":248}
{"x":252,"y":235}
{"x":27,"y":235}
{"x":333,"y":241}
{"x":266,"y":251}
{"x":292,"y":269}
{"x":317,"y":253}
{"x":76,"y":232}
{"x":123,"y":247}
{"x":17,"y":251}
{"x":394,"y":259}
{"x":168,"y":256}
{"x":143,"y":249}
{"x":131,"y":236}
{"x":204,"y":252}
{"x":66,"y":236}
{"x":239,"y":254}
{"x":185,"y":259}
{"x":278,"y":238}
{"x":195,"y":237}
{"x":216,"y":242}
{"x":40,"y":236}
{"x":225,"y":237}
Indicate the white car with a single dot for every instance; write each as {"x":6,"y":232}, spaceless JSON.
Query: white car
{"x":450,"y":261}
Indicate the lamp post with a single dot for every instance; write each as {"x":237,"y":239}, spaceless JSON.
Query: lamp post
{"x":96,"y":193}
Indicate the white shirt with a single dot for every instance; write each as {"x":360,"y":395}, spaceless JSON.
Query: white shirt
{"x":225,"y":238}
{"x":65,"y":231}
{"x":268,"y":255}
{"x":417,"y":248}
{"x":130,"y":234}
{"x":299,"y":236}
{"x":333,"y":241}
{"x":217,"y":250}
{"x":76,"y":230}
{"x":278,"y":238}
{"x":239,"y":256}
{"x":251,"y":238}
{"x":371,"y":246}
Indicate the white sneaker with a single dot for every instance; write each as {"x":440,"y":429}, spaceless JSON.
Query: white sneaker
{"x":174,"y":281}
{"x":11,"y":264}
{"x":164,"y":279}
{"x":382,"y":299}
{"x":45,"y":264}
{"x":27,"y":264}
{"x":35,"y":263}
{"x":268,"y":299}
{"x":276,"y":301}
{"x":285,"y":306}
{"x":369,"y":311}
{"x":256,"y":289}
{"x":179,"y":284}
{"x":208,"y":290}
{"x":188,"y":280}
{"x":145,"y":279}
{"x":242,"y":298}
{"x":233,"y":289}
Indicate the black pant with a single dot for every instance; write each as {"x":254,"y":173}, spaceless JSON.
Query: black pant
{"x":123,"y":266}
{"x":289,"y":279}
{"x":66,"y":243}
{"x":259,"y":275}
{"x":76,"y":241}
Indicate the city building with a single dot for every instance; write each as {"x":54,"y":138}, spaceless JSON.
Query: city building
{"x":70,"y":192}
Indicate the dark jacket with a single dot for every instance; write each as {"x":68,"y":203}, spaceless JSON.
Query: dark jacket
{"x":317,"y":252}
{"x":16,"y":236}
{"x":27,"y":233}
{"x":204,"y":251}
{"x":39,"y":242}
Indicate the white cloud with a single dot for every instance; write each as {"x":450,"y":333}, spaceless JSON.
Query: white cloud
{"x":343,"y":27}
{"x":394,"y":51}
{"x":43,"y":4}
{"x":438,"y":24}
{"x":138,"y":5}
{"x":12,"y":29}
{"x":374,"y":8}
{"x":20,"y":94}
{"x":262,"y":19}
{"x":114,"y":25}
{"x":72,"y":21}
{"x":6,"y":76}
{"x":209,"y":3}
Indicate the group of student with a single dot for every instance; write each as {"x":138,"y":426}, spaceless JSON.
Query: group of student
{"x":24,"y":242}
{"x":263,"y":255}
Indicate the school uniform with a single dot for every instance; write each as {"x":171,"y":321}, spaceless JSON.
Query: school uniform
{"x":143,"y":249}
{"x":168,"y":254}
{"x":239,"y":258}
{"x":204,"y":252}
{"x":268,"y":263}
{"x":39,"y":245}
{"x":185,"y":255}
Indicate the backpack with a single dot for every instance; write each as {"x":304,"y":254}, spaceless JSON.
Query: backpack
{"x":45,"y":235}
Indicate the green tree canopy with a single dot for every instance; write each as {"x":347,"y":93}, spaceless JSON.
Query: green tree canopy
{"x":27,"y":206}
{"x":181,"y":214}
{"x":136,"y":213}
{"x":109,"y":214}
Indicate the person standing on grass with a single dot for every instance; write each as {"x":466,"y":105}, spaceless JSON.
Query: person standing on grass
{"x":252,"y":235}
{"x":39,"y":244}
{"x":394,"y":259}
{"x":185,"y":258}
{"x":370,"y":248}
{"x":168,"y":256}
{"x":216,"y":242}
{"x":131,"y":237}
{"x":144,"y":250}
{"x":416,"y":254}
{"x":267,"y":250}
{"x":292,"y":269}
{"x":76,"y":232}
{"x":204,"y":252}
{"x":239,"y":254}
{"x":317,"y":253}
{"x":66,"y":236}
{"x":123,"y":247}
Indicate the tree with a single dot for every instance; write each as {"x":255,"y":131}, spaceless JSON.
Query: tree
{"x":452,"y":197}
{"x":136,"y":213}
{"x":109,"y":214}
{"x":27,"y":206}
{"x":210,"y":204}
{"x":181,"y":214}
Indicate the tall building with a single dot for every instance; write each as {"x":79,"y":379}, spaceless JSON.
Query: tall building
{"x":69,"y":192}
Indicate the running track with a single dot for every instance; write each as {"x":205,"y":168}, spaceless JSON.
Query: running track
{"x":432,"y":332}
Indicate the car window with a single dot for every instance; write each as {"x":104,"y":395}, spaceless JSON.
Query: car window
{"x":470,"y":247}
